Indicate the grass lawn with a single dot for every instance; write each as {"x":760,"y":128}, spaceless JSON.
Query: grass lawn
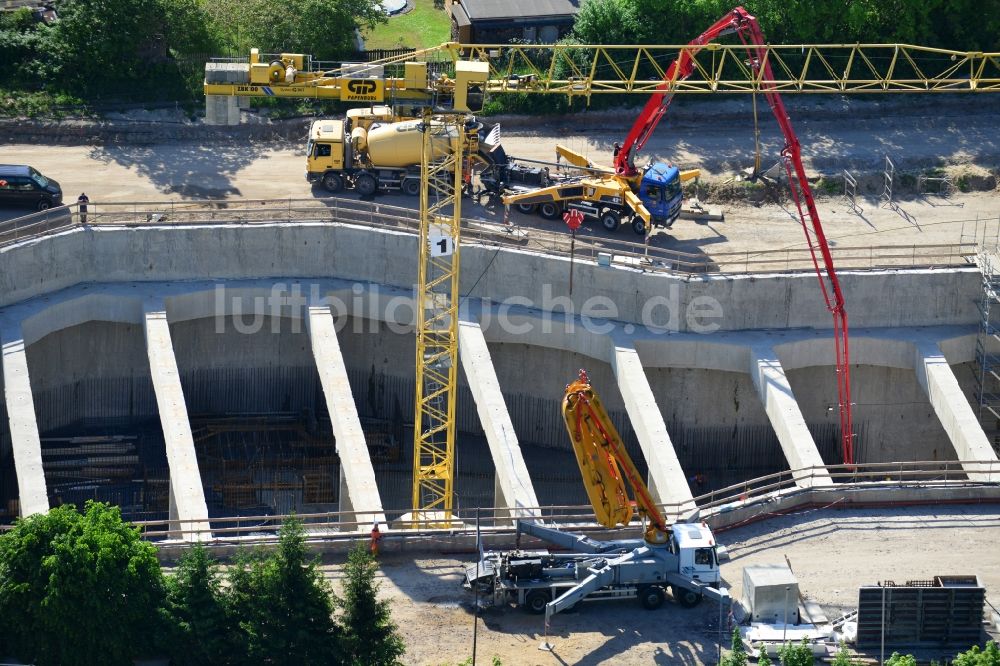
{"x":420,"y":28}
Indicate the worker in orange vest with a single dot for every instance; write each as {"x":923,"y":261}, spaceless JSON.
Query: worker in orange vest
{"x":376,"y":537}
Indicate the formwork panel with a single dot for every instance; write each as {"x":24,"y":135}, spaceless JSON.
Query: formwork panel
{"x":947,"y":610}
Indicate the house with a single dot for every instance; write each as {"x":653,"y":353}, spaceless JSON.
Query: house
{"x":504,"y":21}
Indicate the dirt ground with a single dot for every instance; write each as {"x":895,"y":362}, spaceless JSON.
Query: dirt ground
{"x":832,"y":553}
{"x":957,"y":135}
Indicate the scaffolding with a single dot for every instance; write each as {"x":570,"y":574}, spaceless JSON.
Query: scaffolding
{"x":987,"y":363}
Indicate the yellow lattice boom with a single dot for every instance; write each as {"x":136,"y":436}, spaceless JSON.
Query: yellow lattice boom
{"x":437,"y":319}
{"x":582,"y":70}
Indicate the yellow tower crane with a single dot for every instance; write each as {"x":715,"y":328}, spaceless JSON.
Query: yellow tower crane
{"x":451,"y":80}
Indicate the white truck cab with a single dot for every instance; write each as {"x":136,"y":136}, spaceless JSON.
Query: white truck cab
{"x":698,"y":554}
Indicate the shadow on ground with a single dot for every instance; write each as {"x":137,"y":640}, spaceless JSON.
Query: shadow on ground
{"x":191,"y":170}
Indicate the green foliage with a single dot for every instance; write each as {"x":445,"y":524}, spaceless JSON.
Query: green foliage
{"x":899,"y":660}
{"x":283,"y":605}
{"x":843,"y":657}
{"x":763,"y":659}
{"x":737,"y":653}
{"x":796,"y":655}
{"x":203,"y":631}
{"x":370,"y":636}
{"x":35,"y":104}
{"x":989,"y":656}
{"x":607,"y":22}
{"x":955,"y":24}
{"x":321,"y":28}
{"x":79,"y":588}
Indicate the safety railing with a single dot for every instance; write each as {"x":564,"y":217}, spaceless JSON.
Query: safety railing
{"x":610,"y":252}
{"x":846,"y":479}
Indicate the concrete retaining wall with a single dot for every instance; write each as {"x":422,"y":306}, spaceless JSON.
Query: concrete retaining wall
{"x":875,"y":299}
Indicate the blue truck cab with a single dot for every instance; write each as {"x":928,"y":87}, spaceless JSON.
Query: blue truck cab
{"x":660,"y":192}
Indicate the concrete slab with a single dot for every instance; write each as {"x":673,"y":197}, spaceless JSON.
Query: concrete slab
{"x":935,"y":376}
{"x":514,"y":490}
{"x":355,"y":461}
{"x":786,"y":418}
{"x":24,"y":436}
{"x":188,"y":510}
{"x":667,"y":481}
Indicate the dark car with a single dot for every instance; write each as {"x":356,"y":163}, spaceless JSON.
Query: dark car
{"x":20,"y":185}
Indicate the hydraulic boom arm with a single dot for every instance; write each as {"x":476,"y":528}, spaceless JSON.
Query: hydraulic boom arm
{"x":751,"y":35}
{"x":746,"y":26}
{"x":605,"y":464}
{"x":658,"y":104}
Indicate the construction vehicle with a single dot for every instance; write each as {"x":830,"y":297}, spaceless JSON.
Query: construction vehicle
{"x":457,"y":77}
{"x":649,"y":198}
{"x":683,"y":557}
{"x":375,"y":148}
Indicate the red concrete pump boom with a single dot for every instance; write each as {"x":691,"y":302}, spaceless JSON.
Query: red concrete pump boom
{"x":751,"y":35}
{"x":745,"y":25}
{"x":658,"y":104}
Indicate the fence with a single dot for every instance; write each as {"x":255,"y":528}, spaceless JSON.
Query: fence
{"x":606,"y":251}
{"x":848,"y":479}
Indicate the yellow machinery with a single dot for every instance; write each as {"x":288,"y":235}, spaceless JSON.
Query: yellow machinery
{"x":434,"y":75}
{"x":373,"y":149}
{"x":455,"y":78}
{"x":650,"y":197}
{"x":605,"y":465}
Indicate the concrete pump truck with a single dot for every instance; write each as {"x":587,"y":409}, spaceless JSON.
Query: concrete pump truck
{"x":648,"y":199}
{"x":683,"y":557}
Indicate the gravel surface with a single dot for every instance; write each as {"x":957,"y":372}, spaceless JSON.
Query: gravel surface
{"x":831,"y":552}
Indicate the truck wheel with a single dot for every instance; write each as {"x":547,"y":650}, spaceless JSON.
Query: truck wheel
{"x":365,"y":184}
{"x":333,"y":182}
{"x":686,"y":598}
{"x":610,"y":220}
{"x":536,"y":600}
{"x":651,"y":597}
{"x":411,"y":187}
{"x":550,"y":210}
{"x":639,"y":225}
{"x":527,"y":209}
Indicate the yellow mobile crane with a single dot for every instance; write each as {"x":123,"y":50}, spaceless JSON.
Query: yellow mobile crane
{"x":683,"y":557}
{"x":455,"y":79}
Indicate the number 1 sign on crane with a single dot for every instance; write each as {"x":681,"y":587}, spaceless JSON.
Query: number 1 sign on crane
{"x":441,"y":241}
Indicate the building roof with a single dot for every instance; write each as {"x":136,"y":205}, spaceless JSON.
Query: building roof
{"x":480,"y":10}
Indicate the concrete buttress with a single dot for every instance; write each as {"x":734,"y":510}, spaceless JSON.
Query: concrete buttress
{"x":786,"y":418}
{"x":23,"y":424}
{"x":667,"y":482}
{"x":188,"y":510}
{"x":513,"y":487}
{"x":357,"y":474}
{"x":935,"y":376}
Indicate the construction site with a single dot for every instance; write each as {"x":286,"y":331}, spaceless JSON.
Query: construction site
{"x":792,"y":330}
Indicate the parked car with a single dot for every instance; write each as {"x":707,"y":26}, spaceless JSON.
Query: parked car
{"x":21,"y":185}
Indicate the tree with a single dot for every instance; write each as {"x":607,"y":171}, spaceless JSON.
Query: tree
{"x":796,"y":655}
{"x":324,"y":29}
{"x":203,"y":632}
{"x":283,"y":606}
{"x":763,"y":659}
{"x":80,"y":588}
{"x":989,"y":656}
{"x":370,"y":636}
{"x":607,"y":22}
{"x":899,"y":660}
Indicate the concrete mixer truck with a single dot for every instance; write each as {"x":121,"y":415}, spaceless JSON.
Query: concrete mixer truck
{"x":374,"y":148}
